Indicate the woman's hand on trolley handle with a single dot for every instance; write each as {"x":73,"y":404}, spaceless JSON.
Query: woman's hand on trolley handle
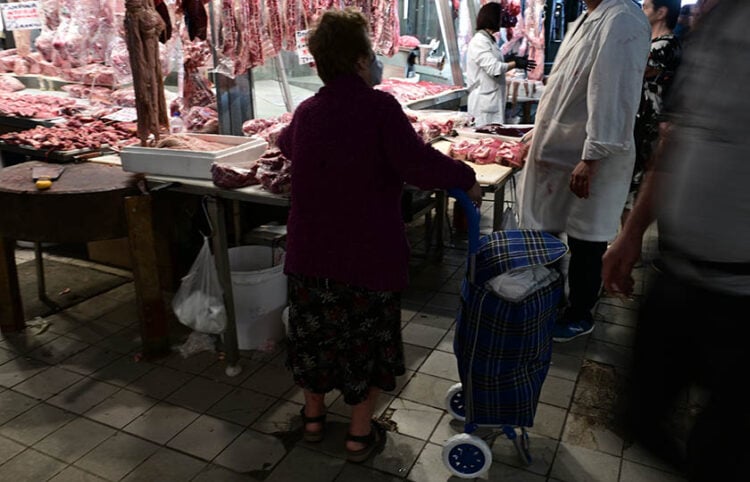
{"x":475,"y":194}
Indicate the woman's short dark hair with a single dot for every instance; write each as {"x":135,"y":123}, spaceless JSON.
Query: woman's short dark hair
{"x":489,"y":17}
{"x":339,"y":40}
{"x":673,"y":11}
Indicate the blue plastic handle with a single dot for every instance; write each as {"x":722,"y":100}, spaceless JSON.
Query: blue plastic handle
{"x":472,"y":217}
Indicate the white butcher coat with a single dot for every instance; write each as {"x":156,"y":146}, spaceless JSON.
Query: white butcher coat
{"x":587,"y":111}
{"x":485,"y":78}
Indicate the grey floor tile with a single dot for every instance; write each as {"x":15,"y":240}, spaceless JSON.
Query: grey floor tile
{"x":357,"y":473}
{"x":578,"y":464}
{"x":441,"y":365}
{"x":281,"y":417}
{"x":94,"y":331}
{"x":123,"y":371}
{"x":124,"y":315}
{"x":617,"y":314}
{"x":407,"y":314}
{"x":444,"y":301}
{"x":9,"y":449}
{"x":414,"y":419}
{"x":575,"y":348}
{"x":641,"y":456}
{"x":206,"y":437}
{"x":74,"y":474}
{"x":427,"y":390}
{"x":199,"y":394}
{"x":125,"y":341}
{"x":34,"y":424}
{"x":304,"y":464}
{"x":72,"y":441}
{"x":47,"y":383}
{"x":267,"y":452}
{"x":80,"y":397}
{"x":500,"y":473}
{"x":94,"y":308}
{"x":414,"y":356}
{"x":446,"y":428}
{"x":242,"y":406}
{"x":124,"y":293}
{"x":271,"y":380}
{"x":121,"y":408}
{"x":632,"y":472}
{"x":19,"y":369}
{"x":557,"y":391}
{"x":160,"y":382}
{"x":610,"y":354}
{"x":117,"y":456}
{"x":194,"y":364}
{"x":441,"y":319}
{"x":614,"y":333}
{"x":446,"y":344}
{"x":30,"y":465}
{"x":216,"y":473}
{"x":63,"y":322}
{"x":398,"y":455}
{"x":422,"y":335}
{"x":13,"y":404}
{"x":58,"y":350}
{"x":549,"y":421}
{"x":401,"y":382}
{"x":565,"y":366}
{"x":217,"y":372}
{"x":166,"y":466}
{"x":28,"y":340}
{"x":90,"y":360}
{"x":6,"y":355}
{"x":161,"y":422}
{"x":591,"y":433}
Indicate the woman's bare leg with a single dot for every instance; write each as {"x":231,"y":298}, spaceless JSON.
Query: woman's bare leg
{"x":361,"y":417}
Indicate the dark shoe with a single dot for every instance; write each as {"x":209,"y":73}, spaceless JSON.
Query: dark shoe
{"x":570,"y":331}
{"x":310,"y":435}
{"x":371,"y":442}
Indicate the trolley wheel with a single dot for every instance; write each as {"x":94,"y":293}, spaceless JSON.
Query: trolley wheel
{"x":454,"y":402}
{"x":467,"y":456}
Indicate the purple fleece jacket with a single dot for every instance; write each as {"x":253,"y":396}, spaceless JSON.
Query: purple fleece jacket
{"x":352,"y":149}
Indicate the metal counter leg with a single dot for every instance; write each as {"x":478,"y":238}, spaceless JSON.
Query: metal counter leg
{"x":41,"y":285}
{"x":217,"y":211}
{"x":497,"y":209}
{"x":11,"y":306}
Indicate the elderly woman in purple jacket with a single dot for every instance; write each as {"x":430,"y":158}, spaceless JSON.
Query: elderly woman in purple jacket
{"x":352,"y":149}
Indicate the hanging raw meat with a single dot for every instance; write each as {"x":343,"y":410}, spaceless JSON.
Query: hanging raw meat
{"x":144,"y":26}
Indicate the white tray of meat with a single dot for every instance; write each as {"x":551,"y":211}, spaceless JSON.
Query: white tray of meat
{"x":191,"y":155}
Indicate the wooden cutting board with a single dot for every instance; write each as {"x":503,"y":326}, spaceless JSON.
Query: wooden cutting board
{"x":487,"y":174}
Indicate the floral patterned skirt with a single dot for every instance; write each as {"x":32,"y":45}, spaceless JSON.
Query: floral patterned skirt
{"x":343,"y":337}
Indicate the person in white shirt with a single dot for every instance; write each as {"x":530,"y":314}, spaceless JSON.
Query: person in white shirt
{"x":486,"y":68}
{"x":580,"y":162}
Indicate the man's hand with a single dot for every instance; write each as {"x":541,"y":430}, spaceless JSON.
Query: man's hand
{"x":581,"y":177}
{"x":618,"y":262}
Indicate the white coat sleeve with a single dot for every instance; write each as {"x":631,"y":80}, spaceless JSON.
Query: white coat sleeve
{"x":614,"y":88}
{"x":482,"y":53}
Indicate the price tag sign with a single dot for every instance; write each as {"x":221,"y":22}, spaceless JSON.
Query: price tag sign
{"x":127,"y":114}
{"x":21,"y":16}
{"x":303,"y":52}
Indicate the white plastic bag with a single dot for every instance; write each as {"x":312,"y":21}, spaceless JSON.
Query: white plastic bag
{"x":199,"y":301}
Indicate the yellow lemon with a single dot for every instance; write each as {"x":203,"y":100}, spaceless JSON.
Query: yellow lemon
{"x":42,"y":184}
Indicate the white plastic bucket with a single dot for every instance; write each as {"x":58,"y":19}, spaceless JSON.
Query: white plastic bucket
{"x":260,"y":295}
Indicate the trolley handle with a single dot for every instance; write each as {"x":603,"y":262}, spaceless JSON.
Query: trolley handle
{"x":472,"y":217}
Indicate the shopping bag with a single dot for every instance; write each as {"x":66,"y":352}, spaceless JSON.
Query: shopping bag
{"x":510,"y":220}
{"x":199,"y":301}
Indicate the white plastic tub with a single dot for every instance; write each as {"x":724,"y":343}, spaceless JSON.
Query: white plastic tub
{"x":192,"y":164}
{"x":260,"y":296}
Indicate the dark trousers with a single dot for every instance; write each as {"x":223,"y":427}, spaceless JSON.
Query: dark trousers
{"x":584,"y":277}
{"x":687,"y":335}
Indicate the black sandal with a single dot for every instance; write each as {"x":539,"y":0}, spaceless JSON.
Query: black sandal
{"x":371,"y":442}
{"x":309,"y":435}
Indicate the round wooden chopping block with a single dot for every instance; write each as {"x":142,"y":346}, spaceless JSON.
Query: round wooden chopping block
{"x":86,"y":203}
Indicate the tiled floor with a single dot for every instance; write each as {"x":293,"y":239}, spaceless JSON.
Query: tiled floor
{"x":77,"y":405}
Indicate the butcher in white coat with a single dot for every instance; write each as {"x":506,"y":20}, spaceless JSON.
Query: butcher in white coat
{"x":582,"y":152}
{"x":485,"y":69}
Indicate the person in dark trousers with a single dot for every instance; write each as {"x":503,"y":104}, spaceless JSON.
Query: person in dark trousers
{"x":580,"y":163}
{"x":663,"y":60}
{"x":693,"y":325}
{"x":352,"y":149}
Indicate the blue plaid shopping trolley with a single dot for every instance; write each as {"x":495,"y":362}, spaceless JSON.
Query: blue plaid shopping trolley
{"x":503,"y":348}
